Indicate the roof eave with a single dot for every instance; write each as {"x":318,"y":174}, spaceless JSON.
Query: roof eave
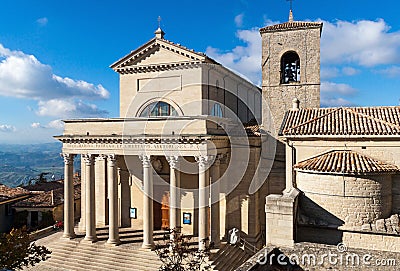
{"x":347,"y":173}
{"x":324,"y":137}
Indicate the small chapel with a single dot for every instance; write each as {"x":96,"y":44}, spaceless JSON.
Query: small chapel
{"x":200,"y":148}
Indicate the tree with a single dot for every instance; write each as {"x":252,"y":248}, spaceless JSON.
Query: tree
{"x":17,"y":250}
{"x":178,"y":253}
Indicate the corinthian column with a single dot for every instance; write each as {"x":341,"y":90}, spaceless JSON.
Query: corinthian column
{"x":68,"y":196}
{"x":174,"y":184}
{"x":203,"y":201}
{"x":90,"y":199}
{"x":147,"y":202}
{"x":215,"y":214}
{"x":113,"y":233}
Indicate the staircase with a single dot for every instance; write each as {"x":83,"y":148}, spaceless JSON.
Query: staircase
{"x":78,"y":255}
{"x":228,"y":258}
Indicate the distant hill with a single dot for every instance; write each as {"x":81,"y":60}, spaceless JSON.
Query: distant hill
{"x":21,"y":163}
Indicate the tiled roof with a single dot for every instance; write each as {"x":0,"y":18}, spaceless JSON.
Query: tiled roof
{"x":7,"y":193}
{"x":45,"y":186}
{"x":290,"y":26}
{"x":48,"y":198}
{"x":345,"y":162}
{"x":341,"y":121}
{"x":252,"y":128}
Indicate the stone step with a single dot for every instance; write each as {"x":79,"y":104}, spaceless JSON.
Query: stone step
{"x":108,"y":257}
{"x":104,"y":260}
{"x":105,"y":252}
{"x":99,"y":263}
{"x":228,"y":258}
{"x":140,"y":254}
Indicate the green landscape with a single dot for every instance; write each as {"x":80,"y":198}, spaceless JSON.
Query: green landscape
{"x":21,"y":164}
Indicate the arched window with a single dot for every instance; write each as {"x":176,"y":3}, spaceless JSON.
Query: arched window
{"x":216,"y":110}
{"x":290,"y":68}
{"x":157,"y":109}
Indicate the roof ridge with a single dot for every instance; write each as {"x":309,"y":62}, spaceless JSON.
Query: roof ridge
{"x":353,"y":110}
{"x":314,"y":119}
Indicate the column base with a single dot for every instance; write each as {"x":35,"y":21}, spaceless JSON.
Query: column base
{"x":68,"y":236}
{"x":148,"y":246}
{"x":113,"y":242}
{"x":217,"y":244}
{"x":90,"y":239}
{"x":203,"y":244}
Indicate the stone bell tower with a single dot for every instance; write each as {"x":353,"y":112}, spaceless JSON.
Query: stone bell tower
{"x":290,"y":66}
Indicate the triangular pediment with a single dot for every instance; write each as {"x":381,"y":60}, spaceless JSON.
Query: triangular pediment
{"x":158,"y":52}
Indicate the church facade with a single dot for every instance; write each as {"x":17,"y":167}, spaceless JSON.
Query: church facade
{"x":166,"y":161}
{"x":199,"y":148}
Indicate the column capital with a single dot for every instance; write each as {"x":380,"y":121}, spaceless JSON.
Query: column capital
{"x":146,"y":160}
{"x":203,"y":160}
{"x":100,"y":157}
{"x":111,"y":159}
{"x":173,"y":161}
{"x":218,"y":159}
{"x":224,"y":158}
{"x":88,"y":159}
{"x":68,"y":158}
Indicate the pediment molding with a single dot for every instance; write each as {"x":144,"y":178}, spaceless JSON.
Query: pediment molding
{"x":138,"y":60}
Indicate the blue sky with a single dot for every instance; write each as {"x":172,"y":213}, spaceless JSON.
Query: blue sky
{"x":55,"y":55}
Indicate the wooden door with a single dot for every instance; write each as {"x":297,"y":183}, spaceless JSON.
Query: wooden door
{"x":165,"y":211}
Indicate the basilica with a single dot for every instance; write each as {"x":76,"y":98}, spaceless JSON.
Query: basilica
{"x":200,"y":148}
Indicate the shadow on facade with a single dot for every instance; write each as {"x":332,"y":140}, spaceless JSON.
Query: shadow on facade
{"x":317,"y":225}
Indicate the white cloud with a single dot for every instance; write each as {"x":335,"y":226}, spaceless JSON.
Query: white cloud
{"x":24,"y":76}
{"x":334,"y":102}
{"x":393,"y":71}
{"x":350,"y":71}
{"x":336,"y":88}
{"x":54,"y":124}
{"x":42,"y":21}
{"x":68,"y":109}
{"x":245,"y":59}
{"x":36,"y":125}
{"x":329,"y":72}
{"x":330,"y":92}
{"x":366,"y":43}
{"x":7,"y":128}
{"x":239,"y":20}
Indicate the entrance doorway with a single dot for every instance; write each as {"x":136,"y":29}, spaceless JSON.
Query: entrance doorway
{"x":161,"y":212}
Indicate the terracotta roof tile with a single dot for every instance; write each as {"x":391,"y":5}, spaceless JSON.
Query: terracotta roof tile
{"x":252,"y":128}
{"x":9,"y":192}
{"x":48,"y":198}
{"x":45,"y":186}
{"x":345,"y":162}
{"x":290,"y":26}
{"x":364,"y":121}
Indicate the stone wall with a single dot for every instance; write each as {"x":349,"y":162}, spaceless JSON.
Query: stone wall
{"x":396,"y":194}
{"x":280,"y":219}
{"x":352,"y":200}
{"x":306,"y":43}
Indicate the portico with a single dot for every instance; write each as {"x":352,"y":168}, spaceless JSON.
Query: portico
{"x":117,"y":154}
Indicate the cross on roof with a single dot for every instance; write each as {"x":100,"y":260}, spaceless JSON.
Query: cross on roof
{"x":159,"y":21}
{"x":291,"y":4}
